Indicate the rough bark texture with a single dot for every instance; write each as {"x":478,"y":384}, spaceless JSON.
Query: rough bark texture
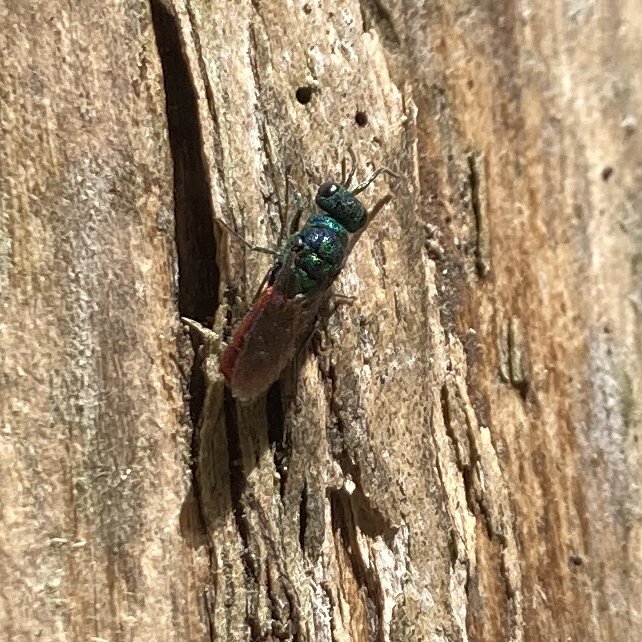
{"x":455,"y":456}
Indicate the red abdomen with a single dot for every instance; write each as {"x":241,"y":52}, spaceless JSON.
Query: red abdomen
{"x":263,"y":343}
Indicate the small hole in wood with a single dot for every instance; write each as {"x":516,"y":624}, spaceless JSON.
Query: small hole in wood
{"x":361,"y":118}
{"x":304,"y":94}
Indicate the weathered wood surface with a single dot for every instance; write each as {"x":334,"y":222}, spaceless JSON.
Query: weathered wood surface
{"x":455,"y":456}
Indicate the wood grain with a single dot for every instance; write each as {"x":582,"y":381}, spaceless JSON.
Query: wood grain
{"x":455,"y":456}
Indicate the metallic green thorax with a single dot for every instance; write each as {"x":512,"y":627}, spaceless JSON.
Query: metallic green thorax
{"x":314,"y":255}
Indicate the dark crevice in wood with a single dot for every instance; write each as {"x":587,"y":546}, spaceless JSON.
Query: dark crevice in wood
{"x":370,"y":519}
{"x":238,"y":485}
{"x":277,"y":435}
{"x":275,"y":414}
{"x":217,"y":146}
{"x":342,"y":518}
{"x":275,"y":560}
{"x":475,"y":499}
{"x":235,"y":458}
{"x":518,"y":361}
{"x":375,"y":15}
{"x":286,"y":620}
{"x":281,"y":619}
{"x":477,"y":188}
{"x":208,"y":611}
{"x":454,"y":534}
{"x":480,"y":507}
{"x":198,"y":274}
{"x":352,"y":511}
{"x":445,"y":411}
{"x":303,"y":514}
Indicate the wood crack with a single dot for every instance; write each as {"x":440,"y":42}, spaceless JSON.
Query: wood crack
{"x":477,"y":179}
{"x":198,"y":274}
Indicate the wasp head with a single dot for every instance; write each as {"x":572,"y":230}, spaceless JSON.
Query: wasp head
{"x":341,"y":205}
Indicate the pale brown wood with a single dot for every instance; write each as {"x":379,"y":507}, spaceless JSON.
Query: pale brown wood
{"x":454,"y":456}
{"x":95,"y":442}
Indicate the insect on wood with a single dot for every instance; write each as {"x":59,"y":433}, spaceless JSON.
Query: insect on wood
{"x":296,"y":286}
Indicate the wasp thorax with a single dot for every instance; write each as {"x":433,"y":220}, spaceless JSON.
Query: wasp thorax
{"x":342,"y":205}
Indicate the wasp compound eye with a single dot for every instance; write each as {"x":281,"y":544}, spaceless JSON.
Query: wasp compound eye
{"x":327,"y":189}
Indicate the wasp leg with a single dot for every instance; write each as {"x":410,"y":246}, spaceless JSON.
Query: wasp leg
{"x":315,"y":330}
{"x":323,"y":316}
{"x":292,"y":225}
{"x":254,"y":248}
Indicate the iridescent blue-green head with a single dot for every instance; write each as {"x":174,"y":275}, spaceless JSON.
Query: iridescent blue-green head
{"x":342,"y":205}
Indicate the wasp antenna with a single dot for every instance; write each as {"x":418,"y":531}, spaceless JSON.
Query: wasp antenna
{"x":372,"y":177}
{"x":353,"y":159}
